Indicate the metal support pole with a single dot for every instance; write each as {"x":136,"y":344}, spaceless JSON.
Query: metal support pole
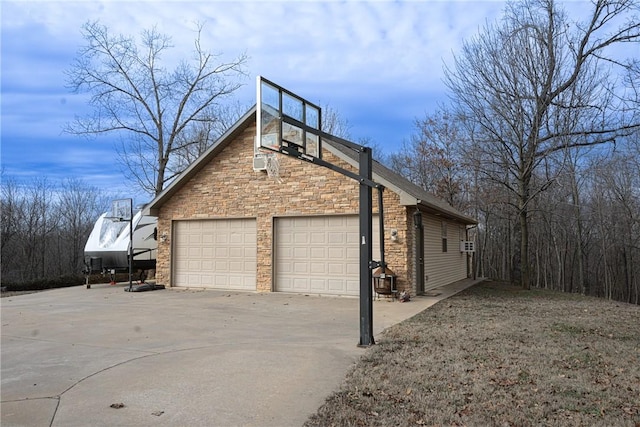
{"x":383,"y":264}
{"x":130,"y":244}
{"x":366,"y":250}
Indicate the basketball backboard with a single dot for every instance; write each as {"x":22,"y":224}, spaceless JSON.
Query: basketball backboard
{"x":286,"y":122}
{"x":121,"y":210}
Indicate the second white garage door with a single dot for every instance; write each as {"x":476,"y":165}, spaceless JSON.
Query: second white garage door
{"x":318,"y":255}
{"x":219,"y":254}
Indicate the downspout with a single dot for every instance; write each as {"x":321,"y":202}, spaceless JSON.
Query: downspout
{"x":472,"y":269}
{"x":419,"y":251}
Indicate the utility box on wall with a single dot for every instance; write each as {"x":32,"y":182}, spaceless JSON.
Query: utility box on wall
{"x":467,"y":246}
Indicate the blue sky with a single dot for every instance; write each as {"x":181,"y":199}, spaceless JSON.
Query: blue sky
{"x":378,"y":63}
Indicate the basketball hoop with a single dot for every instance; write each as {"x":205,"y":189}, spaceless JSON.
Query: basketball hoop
{"x":121,"y":210}
{"x":273,"y":167}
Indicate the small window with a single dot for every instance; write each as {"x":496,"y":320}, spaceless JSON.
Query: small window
{"x":444,"y":236}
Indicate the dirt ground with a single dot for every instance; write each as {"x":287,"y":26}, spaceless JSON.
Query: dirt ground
{"x":497,"y":355}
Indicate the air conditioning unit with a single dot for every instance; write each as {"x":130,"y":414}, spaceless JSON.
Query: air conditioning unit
{"x":259,"y":162}
{"x":467,"y":246}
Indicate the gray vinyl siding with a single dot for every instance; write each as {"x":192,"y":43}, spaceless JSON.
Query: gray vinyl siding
{"x":442,"y":268}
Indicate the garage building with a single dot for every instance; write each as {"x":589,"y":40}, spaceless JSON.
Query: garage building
{"x":225,"y":224}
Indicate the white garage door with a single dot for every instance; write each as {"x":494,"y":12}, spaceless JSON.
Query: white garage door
{"x":319,"y":255}
{"x":219,"y":254}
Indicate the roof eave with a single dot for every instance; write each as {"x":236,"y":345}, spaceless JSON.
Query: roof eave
{"x":406,"y":198}
{"x":427,"y":207}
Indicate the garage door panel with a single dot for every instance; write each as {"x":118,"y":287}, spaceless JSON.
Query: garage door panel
{"x":204,"y":278}
{"x":353,"y":286}
{"x":337,"y":238}
{"x":335,"y":221}
{"x":285,"y":270}
{"x":301,"y":238}
{"x":317,"y":285}
{"x":301,"y":267}
{"x":335,"y":285}
{"x":222,"y":252}
{"x":318,"y":268}
{"x":354,"y":253}
{"x":354,"y":238}
{"x":300,"y":284}
{"x":236,"y":252}
{"x":207,"y":253}
{"x":215,"y":253}
{"x":336,"y":269}
{"x":336,"y":255}
{"x":300,"y":252}
{"x":353,"y":269}
{"x":236,"y":265}
{"x":318,"y":238}
{"x":318,"y":253}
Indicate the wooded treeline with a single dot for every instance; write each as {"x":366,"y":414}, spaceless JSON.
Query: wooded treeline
{"x":584,"y":228}
{"x":541,"y":143}
{"x":45,"y":226}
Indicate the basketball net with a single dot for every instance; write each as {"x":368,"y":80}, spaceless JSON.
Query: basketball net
{"x":273,"y":168}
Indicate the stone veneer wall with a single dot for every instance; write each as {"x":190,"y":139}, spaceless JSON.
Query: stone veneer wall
{"x":228,"y":187}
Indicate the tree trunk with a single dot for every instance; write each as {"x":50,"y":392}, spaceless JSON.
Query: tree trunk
{"x":162,"y":167}
{"x":525,"y":271}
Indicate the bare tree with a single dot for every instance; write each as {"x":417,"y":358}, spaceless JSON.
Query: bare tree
{"x":11,"y":206}
{"x":538,"y":84}
{"x":335,"y":124}
{"x":79,"y":206}
{"x":203,"y":133}
{"x":38,"y":221}
{"x":377,"y":150}
{"x":150,"y":107}
{"x":432,"y":159}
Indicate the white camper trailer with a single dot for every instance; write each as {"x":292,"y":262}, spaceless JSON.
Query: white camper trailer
{"x":108,"y":245}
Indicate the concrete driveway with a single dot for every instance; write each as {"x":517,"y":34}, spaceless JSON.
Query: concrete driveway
{"x":104,"y":357}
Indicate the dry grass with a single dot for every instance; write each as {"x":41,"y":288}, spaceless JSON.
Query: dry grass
{"x":496,"y":355}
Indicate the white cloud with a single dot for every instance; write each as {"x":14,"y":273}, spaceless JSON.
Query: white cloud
{"x":378,"y":63}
